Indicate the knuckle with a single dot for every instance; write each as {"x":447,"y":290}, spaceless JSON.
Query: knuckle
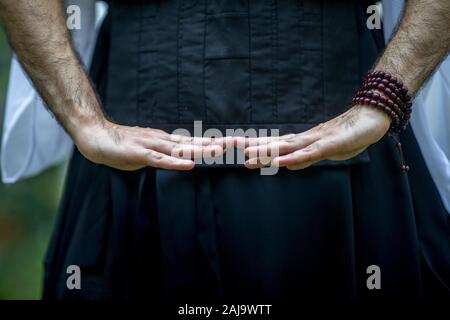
{"x":153,"y":155}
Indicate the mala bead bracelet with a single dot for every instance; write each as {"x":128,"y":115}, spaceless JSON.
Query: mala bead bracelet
{"x":383,"y":91}
{"x":377,"y":96}
{"x":387,"y":93}
{"x":394,"y":95}
{"x":375,"y":100}
{"x":392,"y":87}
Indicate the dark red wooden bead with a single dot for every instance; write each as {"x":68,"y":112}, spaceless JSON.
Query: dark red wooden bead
{"x":394,"y":99}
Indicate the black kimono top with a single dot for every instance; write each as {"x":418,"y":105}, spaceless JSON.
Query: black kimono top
{"x":284,"y":64}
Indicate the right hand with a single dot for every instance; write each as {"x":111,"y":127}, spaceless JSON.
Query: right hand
{"x":132,"y":148}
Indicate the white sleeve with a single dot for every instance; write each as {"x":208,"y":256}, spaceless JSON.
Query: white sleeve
{"x":32,"y":139}
{"x":431,"y":113}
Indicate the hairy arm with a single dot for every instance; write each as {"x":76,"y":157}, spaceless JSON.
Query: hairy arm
{"x":420,"y":43}
{"x":38,"y":34}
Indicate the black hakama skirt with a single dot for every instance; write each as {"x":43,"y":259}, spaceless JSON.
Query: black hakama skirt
{"x":231,"y":233}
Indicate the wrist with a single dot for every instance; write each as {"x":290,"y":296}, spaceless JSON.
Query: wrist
{"x":83,"y":115}
{"x":382,"y":121}
{"x":85,"y":127}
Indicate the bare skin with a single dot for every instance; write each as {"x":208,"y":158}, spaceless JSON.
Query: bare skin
{"x":38,"y":34}
{"x":420,"y":44}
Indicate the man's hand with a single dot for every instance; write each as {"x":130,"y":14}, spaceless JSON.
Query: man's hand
{"x":338,"y":139}
{"x":421,"y":42}
{"x":132,"y":148}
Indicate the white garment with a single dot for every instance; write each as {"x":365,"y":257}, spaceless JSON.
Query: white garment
{"x":431,"y":113}
{"x":32,"y":138}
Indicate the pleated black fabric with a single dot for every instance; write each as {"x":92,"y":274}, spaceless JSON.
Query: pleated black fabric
{"x":258,"y":64}
{"x":218,"y":234}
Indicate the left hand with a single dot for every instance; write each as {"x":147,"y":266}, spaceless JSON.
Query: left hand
{"x":338,"y":139}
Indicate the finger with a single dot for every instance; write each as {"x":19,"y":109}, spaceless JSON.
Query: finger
{"x":244,"y":142}
{"x":315,"y":152}
{"x":228,"y":142}
{"x":151,"y":134}
{"x":346,"y":155}
{"x":300,"y":166}
{"x":160,"y":160}
{"x":281,"y":147}
{"x":339,"y":157}
{"x":201,"y":141}
{"x":224,"y":142}
{"x":184,"y":151}
{"x":210,"y":144}
{"x":167,"y":147}
{"x":327,"y":148}
{"x":256,"y":163}
{"x":196,"y":152}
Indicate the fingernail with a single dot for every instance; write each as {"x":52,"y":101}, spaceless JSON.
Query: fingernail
{"x":276,"y":161}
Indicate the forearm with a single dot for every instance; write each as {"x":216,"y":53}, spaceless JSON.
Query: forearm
{"x":421,"y":42}
{"x":38,"y":34}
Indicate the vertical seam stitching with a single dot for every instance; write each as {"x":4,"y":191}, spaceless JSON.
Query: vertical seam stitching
{"x":274,"y":58}
{"x":179,"y":50}
{"x":153,"y":74}
{"x":138,"y":74}
{"x":324,"y":109}
{"x":250,"y":93}
{"x":300,"y":59}
{"x":205,"y":17}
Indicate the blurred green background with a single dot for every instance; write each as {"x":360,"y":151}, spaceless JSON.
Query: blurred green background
{"x":27,"y":213}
